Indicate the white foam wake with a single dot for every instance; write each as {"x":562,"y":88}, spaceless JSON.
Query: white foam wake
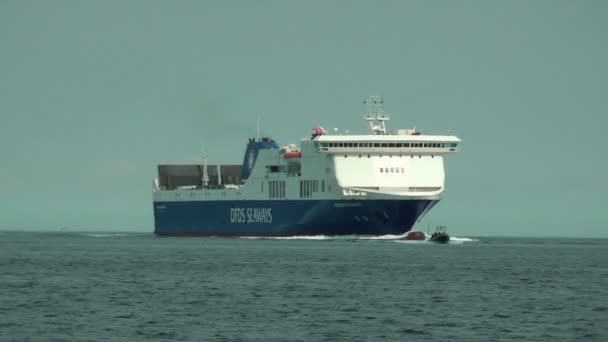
{"x":311,"y":237}
{"x":389,"y":237}
{"x":462,"y":239}
{"x":329,"y":237}
{"x":103,"y":235}
{"x":384,"y":237}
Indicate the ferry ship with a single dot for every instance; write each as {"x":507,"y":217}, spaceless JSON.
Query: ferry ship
{"x":331,"y":184}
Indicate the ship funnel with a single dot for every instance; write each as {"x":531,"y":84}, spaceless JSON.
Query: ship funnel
{"x":251,"y":154}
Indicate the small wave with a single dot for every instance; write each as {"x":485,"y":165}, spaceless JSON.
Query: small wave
{"x":100,"y":235}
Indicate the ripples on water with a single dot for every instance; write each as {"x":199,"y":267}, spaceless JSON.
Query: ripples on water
{"x":137,"y":287}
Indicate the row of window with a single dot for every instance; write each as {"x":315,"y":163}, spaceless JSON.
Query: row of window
{"x":388,"y":145}
{"x":390,"y":156}
{"x":276,"y":189}
{"x":291,"y":168}
{"x":392,"y":170}
{"x":307,"y":187}
{"x":209,"y":193}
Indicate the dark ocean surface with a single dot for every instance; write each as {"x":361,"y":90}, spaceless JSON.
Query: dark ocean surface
{"x":74,"y":286}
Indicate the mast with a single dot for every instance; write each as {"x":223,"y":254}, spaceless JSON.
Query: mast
{"x":258,"y":128}
{"x":375,"y":114}
{"x":205,"y":173}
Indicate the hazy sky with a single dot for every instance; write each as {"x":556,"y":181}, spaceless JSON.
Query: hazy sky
{"x":93,"y":94}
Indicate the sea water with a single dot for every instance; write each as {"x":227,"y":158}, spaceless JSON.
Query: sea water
{"x":73,"y":286}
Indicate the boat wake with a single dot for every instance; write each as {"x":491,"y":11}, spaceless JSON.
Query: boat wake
{"x":104,"y":235}
{"x":389,"y":238}
{"x":463,"y":239}
{"x":453,"y":241}
{"x":311,"y":237}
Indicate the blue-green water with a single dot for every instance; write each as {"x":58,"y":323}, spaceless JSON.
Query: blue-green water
{"x":138,"y":287}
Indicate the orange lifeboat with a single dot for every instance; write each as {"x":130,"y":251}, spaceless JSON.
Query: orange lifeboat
{"x":415,"y":235}
{"x":293,"y":154}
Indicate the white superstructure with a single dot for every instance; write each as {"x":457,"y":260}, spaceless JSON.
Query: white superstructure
{"x":382,"y":164}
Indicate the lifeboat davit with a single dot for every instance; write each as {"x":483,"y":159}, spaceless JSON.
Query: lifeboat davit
{"x":415,"y":235}
{"x":293,"y":154}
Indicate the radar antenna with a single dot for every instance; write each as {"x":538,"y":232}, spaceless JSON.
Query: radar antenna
{"x":375,"y":114}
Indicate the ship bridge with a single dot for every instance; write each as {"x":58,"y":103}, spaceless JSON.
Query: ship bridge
{"x":401,"y":163}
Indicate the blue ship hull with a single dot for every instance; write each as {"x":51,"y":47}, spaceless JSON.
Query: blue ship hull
{"x":287,"y":217}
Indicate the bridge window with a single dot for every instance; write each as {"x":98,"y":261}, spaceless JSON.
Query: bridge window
{"x":391,"y":145}
{"x":402,"y":170}
{"x":399,"y":145}
{"x":381,"y":170}
{"x":376,"y":145}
